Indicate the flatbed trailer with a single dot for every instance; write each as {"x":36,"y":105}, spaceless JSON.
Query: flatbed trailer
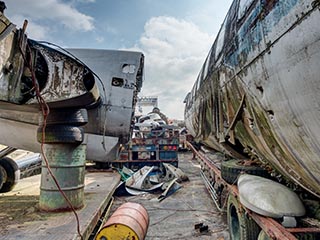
{"x":271,"y":227}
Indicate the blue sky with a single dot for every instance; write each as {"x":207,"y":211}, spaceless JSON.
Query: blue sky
{"x":174,"y":35}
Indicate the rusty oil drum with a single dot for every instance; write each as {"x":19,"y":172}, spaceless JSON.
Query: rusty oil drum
{"x":129,"y":221}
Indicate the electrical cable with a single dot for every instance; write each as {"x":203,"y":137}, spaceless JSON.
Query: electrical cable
{"x":45,"y":112}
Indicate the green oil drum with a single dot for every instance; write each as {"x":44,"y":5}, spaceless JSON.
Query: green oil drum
{"x":67,"y":163}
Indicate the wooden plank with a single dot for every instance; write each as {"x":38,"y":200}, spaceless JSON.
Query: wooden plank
{"x":21,"y":218}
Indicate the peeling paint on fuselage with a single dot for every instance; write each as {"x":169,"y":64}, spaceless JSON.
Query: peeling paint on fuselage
{"x":106,"y":82}
{"x":277,"y":12}
{"x":59,"y":77}
{"x":66,"y":77}
{"x":271,"y":57}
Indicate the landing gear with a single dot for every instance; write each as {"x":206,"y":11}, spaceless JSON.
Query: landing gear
{"x":9,"y":174}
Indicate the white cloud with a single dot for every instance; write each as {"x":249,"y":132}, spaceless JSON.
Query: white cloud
{"x":100,"y":39}
{"x":86,"y":1}
{"x":174,"y":53}
{"x":53,"y":10}
{"x":209,"y":14}
{"x":34,"y":30}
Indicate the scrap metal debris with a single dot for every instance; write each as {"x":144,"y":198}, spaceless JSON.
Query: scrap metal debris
{"x":150,"y":179}
{"x":170,"y":188}
{"x":125,"y":173}
{"x":173,"y":172}
{"x":140,"y":180}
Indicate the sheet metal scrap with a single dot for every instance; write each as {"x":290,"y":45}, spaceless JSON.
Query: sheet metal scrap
{"x":143,"y":181}
{"x":170,"y":188}
{"x":125,"y":173}
{"x":140,"y":180}
{"x":122,"y":190}
{"x":173,"y":172}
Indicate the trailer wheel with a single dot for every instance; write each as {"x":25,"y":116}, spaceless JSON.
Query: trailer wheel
{"x":231,"y":169}
{"x":61,"y":134}
{"x":11,"y":174}
{"x":241,"y":227}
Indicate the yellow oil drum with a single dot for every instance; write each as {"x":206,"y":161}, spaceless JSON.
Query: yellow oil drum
{"x":129,"y":222}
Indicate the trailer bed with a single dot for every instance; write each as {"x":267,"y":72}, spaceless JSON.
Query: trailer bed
{"x":20,"y":217}
{"x":176,"y":216}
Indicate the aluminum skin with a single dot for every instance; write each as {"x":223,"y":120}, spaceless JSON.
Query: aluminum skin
{"x":257,"y":94}
{"x":105,"y":82}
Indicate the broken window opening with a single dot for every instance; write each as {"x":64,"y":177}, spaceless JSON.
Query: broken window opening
{"x":117,"y":82}
{"x":128,"y":68}
{"x":88,"y":79}
{"x":220,"y":38}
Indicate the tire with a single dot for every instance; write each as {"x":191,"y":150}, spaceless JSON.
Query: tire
{"x":241,"y":227}
{"x":231,"y":169}
{"x":12,"y":174}
{"x":61,"y":134}
{"x":66,"y":116}
{"x":3,"y":176}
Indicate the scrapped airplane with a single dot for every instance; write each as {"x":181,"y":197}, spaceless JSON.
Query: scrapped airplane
{"x":94,"y":88}
{"x":257,"y":94}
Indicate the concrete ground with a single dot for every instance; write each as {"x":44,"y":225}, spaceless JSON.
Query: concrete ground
{"x":176,"y":216}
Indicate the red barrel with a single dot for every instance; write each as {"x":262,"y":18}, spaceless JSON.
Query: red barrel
{"x":129,"y":221}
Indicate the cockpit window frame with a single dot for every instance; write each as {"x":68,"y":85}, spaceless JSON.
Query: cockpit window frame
{"x":243,"y":7}
{"x":220,"y":39}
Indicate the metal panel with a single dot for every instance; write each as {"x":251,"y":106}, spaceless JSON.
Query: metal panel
{"x":273,"y":58}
